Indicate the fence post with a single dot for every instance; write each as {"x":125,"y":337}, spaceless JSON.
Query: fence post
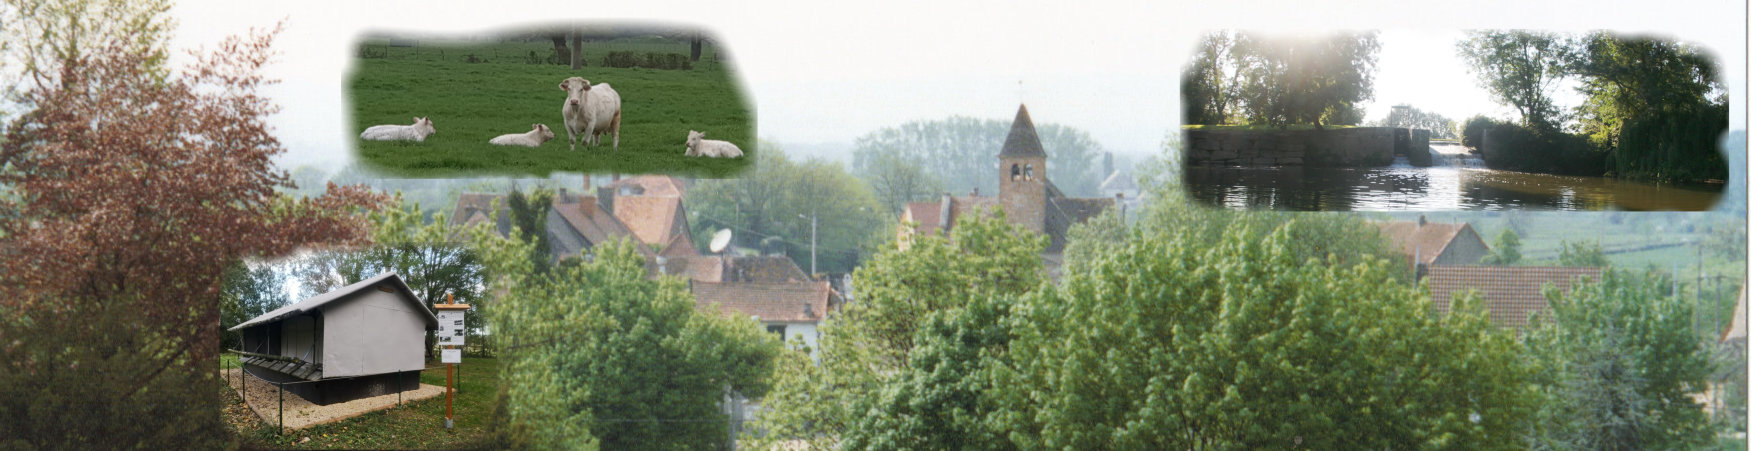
{"x":282,"y":429}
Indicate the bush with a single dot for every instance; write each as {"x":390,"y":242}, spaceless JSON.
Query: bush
{"x":621,"y":59}
{"x":1519,"y":148}
{"x":1472,"y":135}
{"x":1679,"y":145}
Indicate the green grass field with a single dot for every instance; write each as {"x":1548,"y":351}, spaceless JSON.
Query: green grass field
{"x":470,"y":103}
{"x":415,"y":425}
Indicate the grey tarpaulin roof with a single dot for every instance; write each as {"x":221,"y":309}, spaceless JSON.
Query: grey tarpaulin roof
{"x":317,"y":301}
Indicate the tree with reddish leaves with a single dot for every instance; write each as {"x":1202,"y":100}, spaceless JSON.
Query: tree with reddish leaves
{"x":125,"y":192}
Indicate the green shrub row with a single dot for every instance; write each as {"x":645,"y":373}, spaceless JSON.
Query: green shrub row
{"x":652,"y":60}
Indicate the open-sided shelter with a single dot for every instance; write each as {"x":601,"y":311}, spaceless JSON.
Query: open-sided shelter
{"x":362,"y":340}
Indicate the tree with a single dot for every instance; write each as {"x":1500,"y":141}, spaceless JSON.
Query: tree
{"x":873,"y":337}
{"x":248,"y":293}
{"x":1583,"y":254}
{"x":596,"y":354}
{"x":1407,"y":116}
{"x":897,"y":181}
{"x":42,"y":36}
{"x":1181,"y":340}
{"x":1520,"y":68}
{"x":529,"y":216}
{"x":130,"y":192}
{"x":960,"y":153}
{"x":1306,"y":80}
{"x":1507,"y":249}
{"x":780,"y":198}
{"x":1618,"y":365}
{"x":1209,"y":86}
{"x":1658,"y":103}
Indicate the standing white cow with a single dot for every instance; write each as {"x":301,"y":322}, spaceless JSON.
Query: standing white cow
{"x":420,"y":129}
{"x":591,"y":111}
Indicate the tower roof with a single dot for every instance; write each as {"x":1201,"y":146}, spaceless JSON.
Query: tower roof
{"x":1022,"y":142}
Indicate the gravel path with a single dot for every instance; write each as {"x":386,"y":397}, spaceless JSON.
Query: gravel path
{"x":264,"y":400}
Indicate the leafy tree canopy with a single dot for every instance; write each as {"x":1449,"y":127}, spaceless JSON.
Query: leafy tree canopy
{"x":780,"y":197}
{"x":960,"y":155}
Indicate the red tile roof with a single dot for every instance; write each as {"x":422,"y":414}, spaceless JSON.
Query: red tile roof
{"x":761,"y":269}
{"x":1425,"y":241}
{"x":1510,"y":293}
{"x":652,"y":185}
{"x":787,"y":302}
{"x":651,"y":218}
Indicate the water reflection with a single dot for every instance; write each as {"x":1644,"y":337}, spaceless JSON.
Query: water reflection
{"x":1457,"y":182}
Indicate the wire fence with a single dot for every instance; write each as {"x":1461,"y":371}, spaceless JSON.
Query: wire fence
{"x":532,"y":52}
{"x":244,"y":375}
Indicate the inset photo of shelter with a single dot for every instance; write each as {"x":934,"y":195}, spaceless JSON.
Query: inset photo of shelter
{"x":576,"y":97}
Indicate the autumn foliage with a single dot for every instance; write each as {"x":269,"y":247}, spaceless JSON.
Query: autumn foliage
{"x":124,"y":194}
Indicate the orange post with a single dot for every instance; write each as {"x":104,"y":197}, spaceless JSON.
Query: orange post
{"x":449,"y":395}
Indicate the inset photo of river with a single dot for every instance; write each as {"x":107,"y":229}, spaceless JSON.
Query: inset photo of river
{"x":1456,"y":120}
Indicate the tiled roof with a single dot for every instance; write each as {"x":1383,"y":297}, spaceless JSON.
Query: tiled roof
{"x":1118,"y":181}
{"x":761,"y":269}
{"x":1511,"y":293}
{"x":650,"y":218}
{"x":1424,"y":241}
{"x":652,"y":185}
{"x":789,"y":302}
{"x":928,"y":215}
{"x":1022,"y":140}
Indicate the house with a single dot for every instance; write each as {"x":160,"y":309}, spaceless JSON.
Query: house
{"x":574,"y":224}
{"x":1510,"y":293}
{"x":1425,"y":243}
{"x":651,"y":207}
{"x":358,"y":341}
{"x":789,"y":309}
{"x":1024,"y":191}
{"x":1123,"y":189}
{"x":735,"y":268}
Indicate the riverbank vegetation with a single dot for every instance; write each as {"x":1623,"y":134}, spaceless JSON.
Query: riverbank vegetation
{"x":1240,"y":77}
{"x":1653,"y":108}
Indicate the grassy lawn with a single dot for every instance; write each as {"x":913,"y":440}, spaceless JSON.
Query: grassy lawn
{"x":414,"y":425}
{"x":470,"y":103}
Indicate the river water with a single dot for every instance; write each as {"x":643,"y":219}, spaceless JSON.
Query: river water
{"x":1457,"y":181}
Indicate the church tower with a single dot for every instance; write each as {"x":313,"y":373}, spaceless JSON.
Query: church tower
{"x":1022,"y":174}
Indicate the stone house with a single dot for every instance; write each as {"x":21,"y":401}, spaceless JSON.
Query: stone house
{"x":1024,"y":191}
{"x":1424,"y":243}
{"x":792,"y":309}
{"x":358,"y":341}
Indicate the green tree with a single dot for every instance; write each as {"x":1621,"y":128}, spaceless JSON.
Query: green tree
{"x":1471,"y":135}
{"x":1209,"y":86}
{"x":1242,"y":340}
{"x":248,"y":293}
{"x":959,"y":152}
{"x":897,"y":180}
{"x":1583,"y":253}
{"x":129,"y":192}
{"x":529,"y":216}
{"x":1658,"y":103}
{"x":1307,"y":79}
{"x":596,"y":354}
{"x":1506,"y":252}
{"x":1407,"y":116}
{"x":1520,"y":68}
{"x":779,"y":198}
{"x":873,"y":337}
{"x":1617,"y":365}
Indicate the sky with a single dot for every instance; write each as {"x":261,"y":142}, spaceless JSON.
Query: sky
{"x":828,"y":72}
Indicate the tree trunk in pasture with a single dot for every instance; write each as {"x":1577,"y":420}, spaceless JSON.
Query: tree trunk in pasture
{"x":697,"y":47}
{"x":559,"y":49}
{"x":577,"y":49}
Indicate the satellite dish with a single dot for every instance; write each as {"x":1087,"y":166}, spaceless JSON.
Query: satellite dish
{"x":720,"y":241}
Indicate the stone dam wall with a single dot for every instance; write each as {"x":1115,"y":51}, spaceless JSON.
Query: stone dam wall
{"x":1336,"y":147}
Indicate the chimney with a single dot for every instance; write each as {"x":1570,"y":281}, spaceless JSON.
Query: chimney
{"x":616,"y":176}
{"x":562,"y":196}
{"x":1422,"y":220}
{"x":587,"y":183}
{"x":942,"y":218}
{"x":975,"y":192}
{"x":606,"y":195}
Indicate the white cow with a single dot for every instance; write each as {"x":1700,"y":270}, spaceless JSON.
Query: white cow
{"x":532,"y":138}
{"x":591,"y":111}
{"x":698,"y":146}
{"x":420,"y":129}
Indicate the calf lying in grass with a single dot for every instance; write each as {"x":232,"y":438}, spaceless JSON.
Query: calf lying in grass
{"x":420,"y":129}
{"x":531,"y":138}
{"x":698,"y":146}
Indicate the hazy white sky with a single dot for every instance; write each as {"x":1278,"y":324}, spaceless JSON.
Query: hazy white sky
{"x":831,"y":71}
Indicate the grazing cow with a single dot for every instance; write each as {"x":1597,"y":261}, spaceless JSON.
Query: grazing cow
{"x":698,"y":146}
{"x":420,"y":129}
{"x":590,"y":111}
{"x":532,"y":138}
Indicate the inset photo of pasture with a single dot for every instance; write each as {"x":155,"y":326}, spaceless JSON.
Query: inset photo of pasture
{"x":590,"y":98}
{"x":1416,"y":120}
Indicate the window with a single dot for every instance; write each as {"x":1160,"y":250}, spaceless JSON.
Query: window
{"x":776,"y":328}
{"x":1014,"y":172}
{"x":1029,"y":175}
